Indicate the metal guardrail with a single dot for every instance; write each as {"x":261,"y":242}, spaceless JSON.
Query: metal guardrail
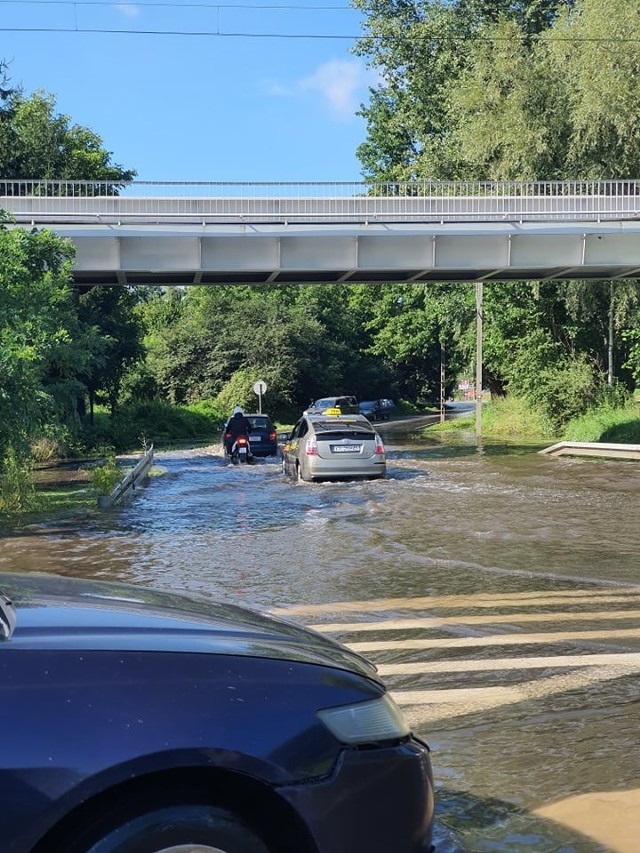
{"x":129,"y":483}
{"x":41,"y":201}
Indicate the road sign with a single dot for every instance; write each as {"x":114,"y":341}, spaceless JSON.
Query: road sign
{"x":260,"y":387}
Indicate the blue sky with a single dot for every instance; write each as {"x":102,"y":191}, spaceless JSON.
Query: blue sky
{"x":265,"y":105}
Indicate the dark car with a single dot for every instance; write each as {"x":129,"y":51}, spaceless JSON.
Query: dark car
{"x":263,"y":436}
{"x":136,"y":721}
{"x":376,"y":410}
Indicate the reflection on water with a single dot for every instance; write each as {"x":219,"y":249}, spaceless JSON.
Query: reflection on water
{"x":450,"y":519}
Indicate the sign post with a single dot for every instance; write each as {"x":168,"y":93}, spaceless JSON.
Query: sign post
{"x":259,"y":388}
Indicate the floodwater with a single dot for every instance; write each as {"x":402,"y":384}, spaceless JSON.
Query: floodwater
{"x":497,"y":589}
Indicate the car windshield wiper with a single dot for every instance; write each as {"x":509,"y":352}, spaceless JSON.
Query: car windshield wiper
{"x":8,"y":617}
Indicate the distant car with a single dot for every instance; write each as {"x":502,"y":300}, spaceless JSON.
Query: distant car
{"x":263,"y":436}
{"x":331,"y":446}
{"x":372,"y":410}
{"x":376,"y":410}
{"x":347,"y":405}
{"x":136,"y":721}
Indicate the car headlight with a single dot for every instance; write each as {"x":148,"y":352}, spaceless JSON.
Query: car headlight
{"x":366,"y":722}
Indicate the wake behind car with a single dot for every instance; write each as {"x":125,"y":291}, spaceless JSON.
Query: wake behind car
{"x":137,"y":721}
{"x":333,"y":446}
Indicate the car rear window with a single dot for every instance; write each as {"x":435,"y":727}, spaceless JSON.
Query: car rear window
{"x":259,"y":423}
{"x":332,"y":431}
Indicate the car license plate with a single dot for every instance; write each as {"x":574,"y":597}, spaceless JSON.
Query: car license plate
{"x":255,"y":437}
{"x":346,"y":448}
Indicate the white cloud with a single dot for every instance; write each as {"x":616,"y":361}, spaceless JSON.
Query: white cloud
{"x":128,"y":9}
{"x":340,"y":83}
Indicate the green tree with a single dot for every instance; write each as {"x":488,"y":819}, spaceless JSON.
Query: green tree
{"x":109,"y":312}
{"x":421,"y":47}
{"x":35,"y":319}
{"x":38,"y":142}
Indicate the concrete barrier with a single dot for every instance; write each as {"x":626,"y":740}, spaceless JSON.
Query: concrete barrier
{"x":594,"y":448}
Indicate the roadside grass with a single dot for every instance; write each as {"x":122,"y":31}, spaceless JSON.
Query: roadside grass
{"x":507,"y":418}
{"x":53,"y":503}
{"x":512,"y":418}
{"x":608,"y":424}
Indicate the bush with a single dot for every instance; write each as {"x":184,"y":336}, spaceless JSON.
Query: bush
{"x":17,"y":493}
{"x":104,"y":478}
{"x":151,"y":422}
{"x":514,"y":417}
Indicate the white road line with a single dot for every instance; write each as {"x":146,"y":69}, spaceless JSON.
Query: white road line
{"x":443,"y":704}
{"x":465,"y":619}
{"x":482,"y":599}
{"x":495,"y":640}
{"x":503,"y":664}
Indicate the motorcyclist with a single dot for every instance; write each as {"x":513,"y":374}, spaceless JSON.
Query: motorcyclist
{"x":236,"y":425}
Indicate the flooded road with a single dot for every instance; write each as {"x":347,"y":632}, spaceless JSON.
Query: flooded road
{"x":497,"y":589}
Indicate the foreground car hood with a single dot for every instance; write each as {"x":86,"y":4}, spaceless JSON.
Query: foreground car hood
{"x":58,"y":612}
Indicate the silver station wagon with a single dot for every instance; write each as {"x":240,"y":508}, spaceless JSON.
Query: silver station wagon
{"x":333,"y":447}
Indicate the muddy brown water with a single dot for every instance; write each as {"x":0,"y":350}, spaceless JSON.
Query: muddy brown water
{"x":497,"y":589}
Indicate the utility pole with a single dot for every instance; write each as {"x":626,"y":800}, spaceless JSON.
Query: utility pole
{"x":442,"y":379}
{"x":479,"y":309}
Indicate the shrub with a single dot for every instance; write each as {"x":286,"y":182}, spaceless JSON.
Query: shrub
{"x":17,"y":493}
{"x":104,"y":478}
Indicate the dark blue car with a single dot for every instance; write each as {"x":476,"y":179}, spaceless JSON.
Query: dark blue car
{"x":135,"y":721}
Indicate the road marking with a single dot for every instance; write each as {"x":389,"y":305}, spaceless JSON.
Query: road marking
{"x":481,"y":599}
{"x":462,"y":619}
{"x":458,"y":702}
{"x":495,"y":640}
{"x":505,"y":664}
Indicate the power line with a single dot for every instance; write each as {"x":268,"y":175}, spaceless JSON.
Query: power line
{"x":290,"y":7}
{"x":318,"y":36}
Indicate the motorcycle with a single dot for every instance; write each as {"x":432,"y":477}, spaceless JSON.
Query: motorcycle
{"x":241,"y":450}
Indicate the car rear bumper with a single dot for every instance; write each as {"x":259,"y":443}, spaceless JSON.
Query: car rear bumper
{"x":378,"y":801}
{"x":374,"y":467}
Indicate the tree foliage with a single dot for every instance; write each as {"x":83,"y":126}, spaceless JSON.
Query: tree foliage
{"x":35,"y":320}
{"x":37,"y":142}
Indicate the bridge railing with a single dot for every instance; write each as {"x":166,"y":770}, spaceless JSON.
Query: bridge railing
{"x":42,"y":201}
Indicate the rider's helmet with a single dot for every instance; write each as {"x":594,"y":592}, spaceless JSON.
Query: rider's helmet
{"x":237,"y":410}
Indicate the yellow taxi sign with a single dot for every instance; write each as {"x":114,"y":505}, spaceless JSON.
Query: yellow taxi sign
{"x":332,"y":411}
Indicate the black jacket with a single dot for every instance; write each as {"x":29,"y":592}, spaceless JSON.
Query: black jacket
{"x":238,"y":425}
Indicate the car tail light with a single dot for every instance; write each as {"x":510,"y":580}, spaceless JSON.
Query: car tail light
{"x":379,"y":446}
{"x":273,"y":436}
{"x":227,"y":435}
{"x":311,"y":447}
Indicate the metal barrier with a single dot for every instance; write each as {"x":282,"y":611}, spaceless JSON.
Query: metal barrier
{"x":41,"y":201}
{"x":129,"y":483}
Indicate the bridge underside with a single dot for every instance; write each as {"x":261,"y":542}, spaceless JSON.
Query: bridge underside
{"x":378,"y":252}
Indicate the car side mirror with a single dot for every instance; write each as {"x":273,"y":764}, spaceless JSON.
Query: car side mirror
{"x":284,"y":436}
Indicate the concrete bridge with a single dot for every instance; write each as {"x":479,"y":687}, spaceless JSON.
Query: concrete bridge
{"x":216,"y":233}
